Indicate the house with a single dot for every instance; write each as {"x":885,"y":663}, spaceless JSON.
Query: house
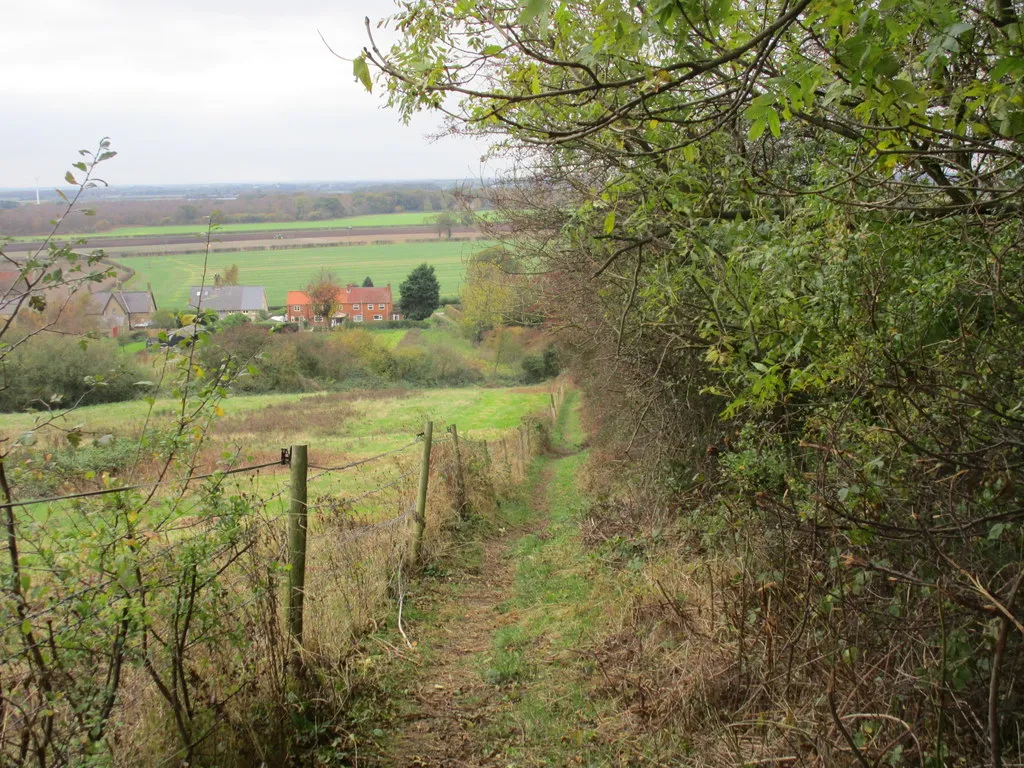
{"x":248,"y":300}
{"x":123,"y":310}
{"x":354,"y":303}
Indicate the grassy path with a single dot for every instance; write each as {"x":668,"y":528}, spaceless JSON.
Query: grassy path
{"x":499,"y":676}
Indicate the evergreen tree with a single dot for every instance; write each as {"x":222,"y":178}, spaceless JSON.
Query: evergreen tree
{"x":420,"y":294}
{"x":367,"y":283}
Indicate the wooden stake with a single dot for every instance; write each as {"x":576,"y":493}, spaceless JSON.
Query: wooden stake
{"x":421,"y":499}
{"x":461,"y":507}
{"x":297,"y":520}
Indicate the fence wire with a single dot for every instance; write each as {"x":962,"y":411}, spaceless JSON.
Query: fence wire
{"x":168,"y":597}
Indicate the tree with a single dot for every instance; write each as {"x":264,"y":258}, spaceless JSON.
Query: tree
{"x":230,"y":275}
{"x":164,"y":318}
{"x":328,"y":208}
{"x":323,"y":293}
{"x":776,"y":234}
{"x":494,"y":292}
{"x":367,"y":283}
{"x":188,"y":214}
{"x":234,"y":320}
{"x":443,"y":223}
{"x":420,"y":293}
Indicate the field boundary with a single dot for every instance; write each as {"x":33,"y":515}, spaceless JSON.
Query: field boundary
{"x":259,"y":598}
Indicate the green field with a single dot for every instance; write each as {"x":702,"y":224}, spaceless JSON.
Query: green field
{"x":373,"y":220}
{"x":388,"y":337}
{"x":292,"y":269}
{"x":351,"y":423}
{"x":354,"y":222}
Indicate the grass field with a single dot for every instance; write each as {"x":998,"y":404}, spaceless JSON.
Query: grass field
{"x":356,"y":423}
{"x":292,"y":269}
{"x":355,"y":222}
{"x":337,"y":427}
{"x":373,"y":220}
{"x":389,"y":337}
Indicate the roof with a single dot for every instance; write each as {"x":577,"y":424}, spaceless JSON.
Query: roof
{"x":350,"y":294}
{"x":132,"y":302}
{"x":10,"y":278}
{"x":356,"y":293}
{"x":228,"y":298}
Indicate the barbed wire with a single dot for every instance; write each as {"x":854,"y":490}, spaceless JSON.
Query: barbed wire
{"x":360,"y":497}
{"x":140,"y":486}
{"x":343,"y":467}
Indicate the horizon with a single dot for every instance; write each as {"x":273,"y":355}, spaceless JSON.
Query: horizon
{"x":298,"y":182}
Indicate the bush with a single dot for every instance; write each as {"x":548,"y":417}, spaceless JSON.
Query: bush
{"x":68,"y":370}
{"x":540,"y":367}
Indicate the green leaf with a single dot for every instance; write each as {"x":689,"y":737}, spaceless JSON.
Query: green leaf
{"x":491,"y":50}
{"x":609,"y":222}
{"x":533,"y":9}
{"x":757,"y":128}
{"x":773,"y":123}
{"x":26,"y":627}
{"x":362,"y":72}
{"x":69,"y":177}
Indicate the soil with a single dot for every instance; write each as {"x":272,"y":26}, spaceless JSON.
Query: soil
{"x":286,"y":238}
{"x":451,"y":700}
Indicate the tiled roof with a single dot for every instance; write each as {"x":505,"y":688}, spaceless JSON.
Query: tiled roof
{"x":228,"y":298}
{"x":132,"y":302}
{"x":358,"y":294}
{"x":350,"y":294}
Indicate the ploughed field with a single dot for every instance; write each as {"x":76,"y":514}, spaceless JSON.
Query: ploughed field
{"x":279,"y":235}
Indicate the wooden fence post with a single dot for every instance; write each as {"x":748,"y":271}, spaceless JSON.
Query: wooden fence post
{"x":421,"y":499}
{"x":554,"y":410}
{"x":504,"y":450}
{"x":460,"y":479}
{"x":297,"y":520}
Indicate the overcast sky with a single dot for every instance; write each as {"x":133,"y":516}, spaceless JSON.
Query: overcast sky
{"x":204,"y":91}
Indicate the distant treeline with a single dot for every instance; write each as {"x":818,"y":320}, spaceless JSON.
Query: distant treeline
{"x":36,"y":219}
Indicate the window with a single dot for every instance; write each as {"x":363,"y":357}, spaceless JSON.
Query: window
{"x":317,"y":319}
{"x":355,"y":307}
{"x":296,"y":307}
{"x":369,"y":306}
{"x":378,"y":317}
{"x":357,"y":318}
{"x":396,"y":316}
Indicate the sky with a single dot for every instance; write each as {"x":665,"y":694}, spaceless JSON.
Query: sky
{"x":196,"y":91}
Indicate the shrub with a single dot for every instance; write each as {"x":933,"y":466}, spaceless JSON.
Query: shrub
{"x":540,"y":367}
{"x":67,"y":370}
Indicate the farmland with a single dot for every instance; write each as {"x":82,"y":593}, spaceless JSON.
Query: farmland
{"x":350,"y":425}
{"x":372,"y":220}
{"x":284,"y":270}
{"x":368,"y":221}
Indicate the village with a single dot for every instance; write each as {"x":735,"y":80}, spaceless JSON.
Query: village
{"x":115,"y":311}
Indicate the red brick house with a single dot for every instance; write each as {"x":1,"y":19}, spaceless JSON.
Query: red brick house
{"x":355,"y":303}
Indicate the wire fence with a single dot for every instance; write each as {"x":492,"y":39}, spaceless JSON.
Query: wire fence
{"x":146,"y":618}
